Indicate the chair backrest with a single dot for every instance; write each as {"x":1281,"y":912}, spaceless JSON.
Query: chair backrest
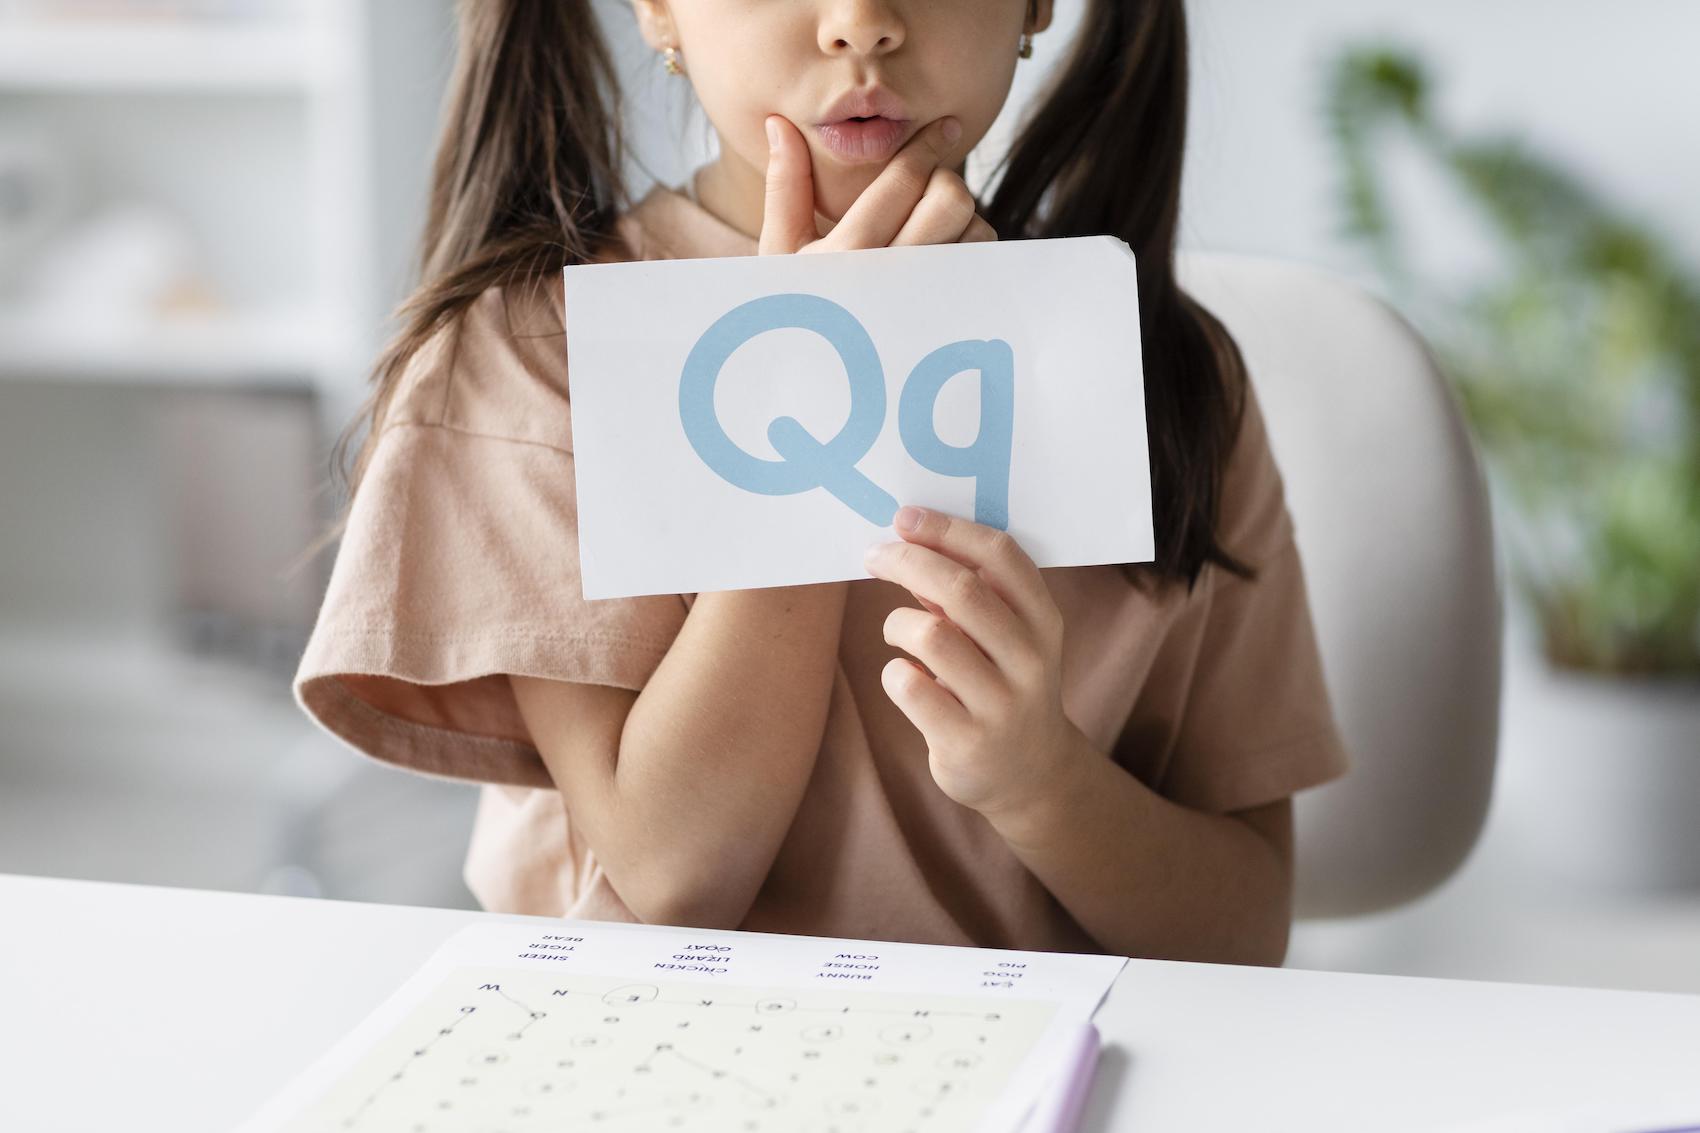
{"x":1393,"y":525}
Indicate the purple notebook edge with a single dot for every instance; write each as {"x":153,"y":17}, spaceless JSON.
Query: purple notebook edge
{"x":1059,"y":1112}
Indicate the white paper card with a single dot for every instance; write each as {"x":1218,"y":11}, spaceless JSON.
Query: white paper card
{"x":754,"y":421}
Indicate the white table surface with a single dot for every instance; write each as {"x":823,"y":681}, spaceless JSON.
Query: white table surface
{"x":141,"y":1007}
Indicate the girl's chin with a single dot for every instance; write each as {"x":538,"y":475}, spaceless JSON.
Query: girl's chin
{"x":836,"y":191}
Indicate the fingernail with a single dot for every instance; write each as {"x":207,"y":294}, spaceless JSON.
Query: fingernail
{"x":872,"y":553}
{"x":772,"y":134}
{"x":952,"y":129}
{"x":907,"y":518}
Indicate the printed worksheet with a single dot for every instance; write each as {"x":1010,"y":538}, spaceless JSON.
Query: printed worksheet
{"x":593,"y":1025}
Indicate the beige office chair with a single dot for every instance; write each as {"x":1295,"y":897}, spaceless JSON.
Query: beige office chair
{"x":1393,"y":526}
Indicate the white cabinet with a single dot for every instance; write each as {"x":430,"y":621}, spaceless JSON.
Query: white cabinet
{"x":226,"y":196}
{"x":204,"y":223}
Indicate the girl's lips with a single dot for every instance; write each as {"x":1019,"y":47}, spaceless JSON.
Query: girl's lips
{"x":868,"y":139}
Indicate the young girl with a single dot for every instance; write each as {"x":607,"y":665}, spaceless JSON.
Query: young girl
{"x":958,"y":749}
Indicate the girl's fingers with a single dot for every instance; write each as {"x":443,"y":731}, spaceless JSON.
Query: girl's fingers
{"x":978,"y":229}
{"x":944,"y":213}
{"x":956,"y":662}
{"x":996,"y":555}
{"x":939,"y":715}
{"x":788,"y":218}
{"x":879,"y":212}
{"x":966,"y":597}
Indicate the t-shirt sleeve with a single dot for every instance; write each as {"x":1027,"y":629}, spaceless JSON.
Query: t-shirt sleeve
{"x":459,"y":566}
{"x":1257,"y":724}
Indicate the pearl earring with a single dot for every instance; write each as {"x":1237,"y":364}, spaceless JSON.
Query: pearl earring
{"x":1026,"y":49}
{"x":672,"y":61}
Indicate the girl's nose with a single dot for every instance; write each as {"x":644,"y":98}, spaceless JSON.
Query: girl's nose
{"x":865,"y":27}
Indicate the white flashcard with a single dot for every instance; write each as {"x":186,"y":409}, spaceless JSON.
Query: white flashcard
{"x":754,"y":421}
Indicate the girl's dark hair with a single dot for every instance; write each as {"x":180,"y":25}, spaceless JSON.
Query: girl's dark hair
{"x":1101,"y":153}
{"x":527,"y":180}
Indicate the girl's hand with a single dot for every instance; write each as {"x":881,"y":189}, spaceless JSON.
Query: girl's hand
{"x":991,"y":710}
{"x":915,"y":199}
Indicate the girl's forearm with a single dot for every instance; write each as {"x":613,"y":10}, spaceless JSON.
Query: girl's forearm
{"x":1145,"y":876}
{"x":718,"y":748}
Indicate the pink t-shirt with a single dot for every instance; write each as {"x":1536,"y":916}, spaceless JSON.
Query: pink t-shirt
{"x":459,"y":566}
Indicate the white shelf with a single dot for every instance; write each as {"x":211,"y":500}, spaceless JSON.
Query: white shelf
{"x":258,"y":348}
{"x":268,"y":55}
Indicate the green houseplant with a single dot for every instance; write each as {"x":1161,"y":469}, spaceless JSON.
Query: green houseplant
{"x":1576,"y":357}
{"x":1578,"y":366}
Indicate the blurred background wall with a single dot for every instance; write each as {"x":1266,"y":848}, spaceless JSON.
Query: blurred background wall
{"x":206,"y":210}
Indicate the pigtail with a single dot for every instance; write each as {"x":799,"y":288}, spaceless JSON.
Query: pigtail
{"x":526,"y":180}
{"x":1101,"y":152}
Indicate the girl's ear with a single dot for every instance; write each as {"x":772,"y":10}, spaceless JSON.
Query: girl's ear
{"x":1042,"y":12}
{"x":655,"y":21}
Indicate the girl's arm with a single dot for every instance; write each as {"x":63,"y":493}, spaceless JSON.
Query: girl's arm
{"x":686,"y":790}
{"x":1146,"y":876}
